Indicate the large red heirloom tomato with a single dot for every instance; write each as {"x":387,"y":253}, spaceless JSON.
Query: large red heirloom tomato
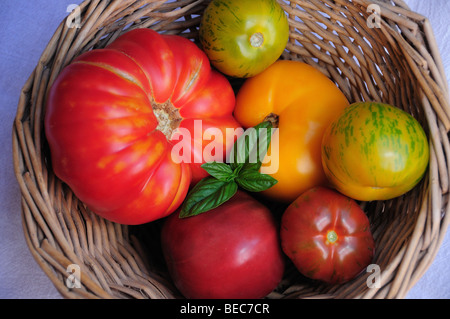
{"x":327,"y":236}
{"x":230,"y":252}
{"x":111,"y":117}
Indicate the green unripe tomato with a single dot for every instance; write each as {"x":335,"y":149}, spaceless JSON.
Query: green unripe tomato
{"x":243,"y":37}
{"x":374,"y":151}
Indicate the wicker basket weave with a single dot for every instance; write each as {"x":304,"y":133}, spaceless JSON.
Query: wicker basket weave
{"x":394,"y":61}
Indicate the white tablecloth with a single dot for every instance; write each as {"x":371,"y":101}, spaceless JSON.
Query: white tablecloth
{"x":25,"y":29}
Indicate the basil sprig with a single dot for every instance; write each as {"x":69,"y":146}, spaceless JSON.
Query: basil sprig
{"x":245,"y":160}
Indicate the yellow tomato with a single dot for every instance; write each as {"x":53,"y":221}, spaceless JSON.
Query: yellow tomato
{"x":305,"y":102}
{"x":374,"y":151}
{"x":243,"y":37}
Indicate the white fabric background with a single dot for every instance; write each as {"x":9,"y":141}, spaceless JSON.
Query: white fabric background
{"x":25,"y":29}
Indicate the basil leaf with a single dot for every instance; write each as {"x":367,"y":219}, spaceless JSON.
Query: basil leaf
{"x":251,"y":147}
{"x":207,"y":194}
{"x":246,"y":159}
{"x":213,"y":201}
{"x":254,"y":181}
{"x":221,"y":171}
{"x":239,"y":150}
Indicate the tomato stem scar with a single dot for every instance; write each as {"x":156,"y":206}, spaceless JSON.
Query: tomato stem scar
{"x":168,"y":117}
{"x":332,"y":236}
{"x":257,"y":39}
{"x":273,"y":119}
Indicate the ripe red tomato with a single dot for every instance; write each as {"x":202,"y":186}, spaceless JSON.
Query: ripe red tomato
{"x":327,"y":236}
{"x":232,"y":251}
{"x":110,"y":119}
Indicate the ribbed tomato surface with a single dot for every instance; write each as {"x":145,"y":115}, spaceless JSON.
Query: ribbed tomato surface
{"x":111,"y":117}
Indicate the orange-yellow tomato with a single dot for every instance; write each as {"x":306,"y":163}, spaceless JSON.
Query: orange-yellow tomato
{"x":375,"y":151}
{"x":305,"y":102}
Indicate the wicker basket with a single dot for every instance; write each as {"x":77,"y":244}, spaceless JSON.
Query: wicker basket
{"x":393,"y":59}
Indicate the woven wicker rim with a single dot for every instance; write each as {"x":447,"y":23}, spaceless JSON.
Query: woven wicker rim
{"x":398,"y":63}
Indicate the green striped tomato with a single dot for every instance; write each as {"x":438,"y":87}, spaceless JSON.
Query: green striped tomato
{"x":243,"y":37}
{"x":374,"y":151}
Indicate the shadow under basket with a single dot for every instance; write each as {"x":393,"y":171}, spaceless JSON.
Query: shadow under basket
{"x":372,"y":50}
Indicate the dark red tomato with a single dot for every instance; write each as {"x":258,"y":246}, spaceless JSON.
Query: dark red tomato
{"x":232,"y":251}
{"x":327,"y":236}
